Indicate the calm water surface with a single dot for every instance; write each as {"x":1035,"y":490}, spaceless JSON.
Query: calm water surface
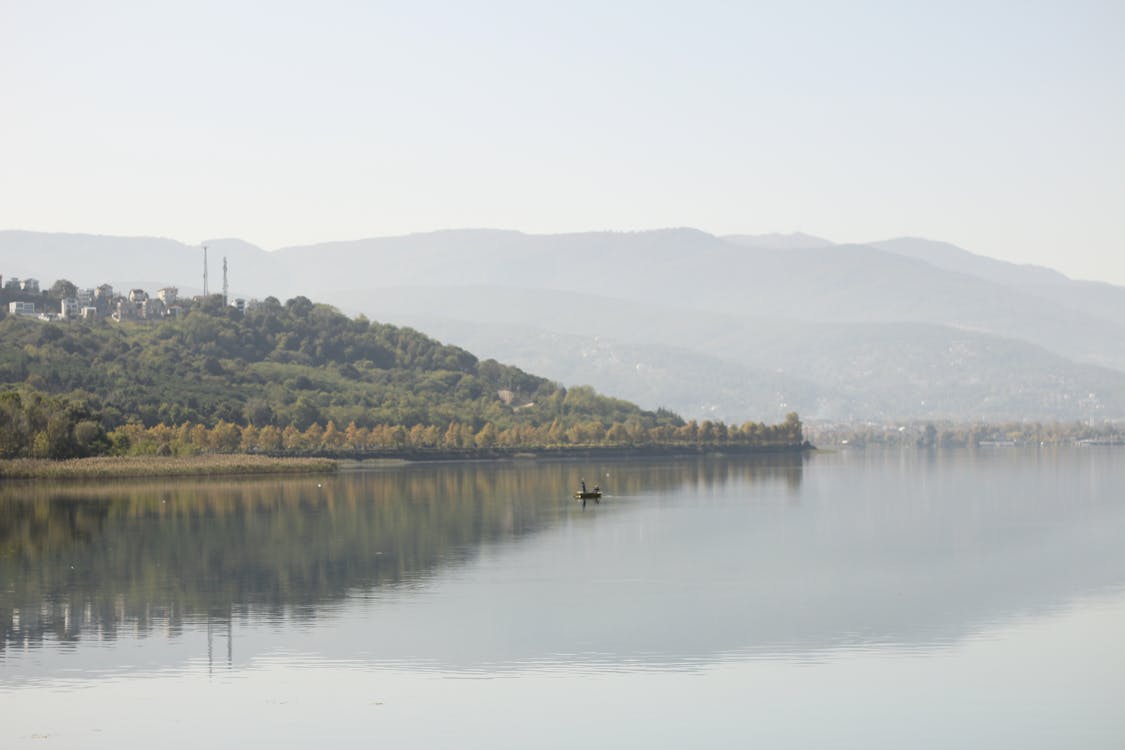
{"x":856,"y":599}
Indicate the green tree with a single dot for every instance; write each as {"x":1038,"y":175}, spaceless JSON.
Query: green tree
{"x":63,"y":289}
{"x":486,"y":437}
{"x":617,"y":434}
{"x":225,"y":438}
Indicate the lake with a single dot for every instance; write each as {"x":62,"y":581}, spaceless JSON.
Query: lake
{"x":866,"y":599}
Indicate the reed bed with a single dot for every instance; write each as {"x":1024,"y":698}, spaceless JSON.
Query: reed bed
{"x":118,"y":467}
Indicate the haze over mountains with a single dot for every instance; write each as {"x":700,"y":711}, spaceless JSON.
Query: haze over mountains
{"x":738,"y":327}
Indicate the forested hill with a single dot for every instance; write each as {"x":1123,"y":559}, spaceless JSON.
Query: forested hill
{"x":296,"y":363}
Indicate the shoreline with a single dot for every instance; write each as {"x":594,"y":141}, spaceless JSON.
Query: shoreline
{"x":559,"y":453}
{"x":215,"y":465}
{"x":148,"y":467}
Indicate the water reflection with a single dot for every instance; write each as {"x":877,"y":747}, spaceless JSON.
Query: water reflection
{"x":485,"y":569}
{"x":89,"y":560}
{"x":945,"y":598}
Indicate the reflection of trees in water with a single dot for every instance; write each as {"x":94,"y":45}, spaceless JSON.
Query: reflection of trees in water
{"x":91,"y":559}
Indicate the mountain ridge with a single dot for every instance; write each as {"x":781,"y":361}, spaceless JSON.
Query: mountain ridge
{"x":693,"y":282}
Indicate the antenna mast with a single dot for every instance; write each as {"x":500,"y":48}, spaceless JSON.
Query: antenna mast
{"x":205,"y":271}
{"x":224,"y":280}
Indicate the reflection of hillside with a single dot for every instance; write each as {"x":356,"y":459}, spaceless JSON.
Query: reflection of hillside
{"x":81,"y":559}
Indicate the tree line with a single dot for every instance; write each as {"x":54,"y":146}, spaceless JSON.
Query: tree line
{"x":965,"y":435}
{"x":224,"y":437}
{"x":37,"y":425}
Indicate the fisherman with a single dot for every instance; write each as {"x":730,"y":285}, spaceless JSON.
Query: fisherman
{"x":583,"y":481}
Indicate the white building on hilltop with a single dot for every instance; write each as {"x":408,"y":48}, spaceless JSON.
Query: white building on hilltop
{"x":68,"y":308}
{"x":21,"y":308}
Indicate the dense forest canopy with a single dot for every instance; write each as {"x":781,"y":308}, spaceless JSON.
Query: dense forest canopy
{"x":280,"y":364}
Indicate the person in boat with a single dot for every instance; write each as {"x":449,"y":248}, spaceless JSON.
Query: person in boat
{"x":583,"y":481}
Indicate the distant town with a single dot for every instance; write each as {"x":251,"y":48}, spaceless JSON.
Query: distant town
{"x":65,"y":301}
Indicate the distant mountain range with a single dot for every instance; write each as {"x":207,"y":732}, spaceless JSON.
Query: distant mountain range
{"x":738,"y":327}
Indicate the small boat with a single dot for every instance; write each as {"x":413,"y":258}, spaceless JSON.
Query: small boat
{"x":590,"y":495}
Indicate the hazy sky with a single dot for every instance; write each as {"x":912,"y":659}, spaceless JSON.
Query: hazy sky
{"x":998,"y":126}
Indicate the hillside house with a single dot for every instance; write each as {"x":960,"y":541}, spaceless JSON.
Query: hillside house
{"x":68,"y":308}
{"x":21,"y":308}
{"x":168,"y":295}
{"x":30,"y":285}
{"x":12,"y":285}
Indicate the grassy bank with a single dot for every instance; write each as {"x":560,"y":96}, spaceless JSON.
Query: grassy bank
{"x":149,"y":466}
